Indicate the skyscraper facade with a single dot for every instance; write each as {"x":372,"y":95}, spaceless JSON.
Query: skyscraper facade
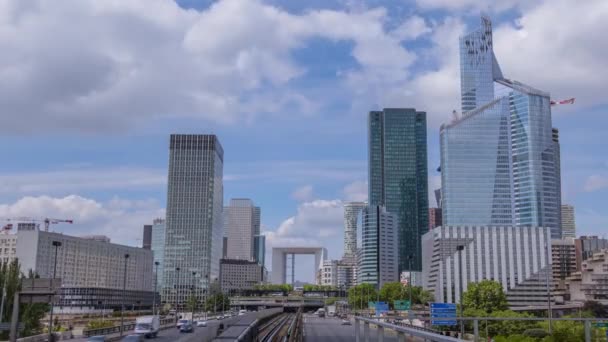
{"x":193,"y":241}
{"x":352,"y":214}
{"x":259,"y":248}
{"x":241,"y":225}
{"x":378,"y":257}
{"x":158,"y":248}
{"x":499,"y":162}
{"x":568,"y":222}
{"x":398,"y":175}
{"x":147,"y":238}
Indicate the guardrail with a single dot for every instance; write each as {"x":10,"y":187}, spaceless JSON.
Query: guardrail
{"x":400,"y":330}
{"x":116,"y":329}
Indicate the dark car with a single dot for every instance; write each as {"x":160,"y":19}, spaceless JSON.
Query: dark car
{"x":186,"y":328}
{"x":99,"y":338}
{"x":133,"y":338}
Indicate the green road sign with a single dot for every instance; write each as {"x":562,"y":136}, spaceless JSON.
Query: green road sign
{"x":402,"y":305}
{"x":601,"y":325}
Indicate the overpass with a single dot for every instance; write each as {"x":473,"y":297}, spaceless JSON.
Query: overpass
{"x":288,"y":303}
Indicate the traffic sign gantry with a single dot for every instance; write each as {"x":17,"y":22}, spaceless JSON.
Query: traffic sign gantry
{"x":443,"y":310}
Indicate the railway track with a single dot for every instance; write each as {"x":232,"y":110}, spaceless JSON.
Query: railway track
{"x":276,"y":328}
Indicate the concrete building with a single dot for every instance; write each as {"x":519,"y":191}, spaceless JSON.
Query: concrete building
{"x":568,"y":222}
{"x":329,"y":273}
{"x":347,"y":274}
{"x":352,"y":221}
{"x":591,"y":282}
{"x":157,"y":245}
{"x":517,"y":257}
{"x":224,"y":247}
{"x":397,"y":160}
{"x":8,"y":247}
{"x":193,"y":242}
{"x":238,"y":275}
{"x":500,"y":158}
{"x":91,"y":271}
{"x":434,"y":218}
{"x":279,"y":262}
{"x":147,"y":237}
{"x":241,"y":225}
{"x":378,"y":258}
{"x":585,"y":246}
{"x":563,"y":256}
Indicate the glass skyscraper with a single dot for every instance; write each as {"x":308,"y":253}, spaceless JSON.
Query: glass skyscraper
{"x":158,"y":248}
{"x":398,"y":176}
{"x":352,"y":213}
{"x":500,"y":158}
{"x":378,"y":256}
{"x":193,"y":240}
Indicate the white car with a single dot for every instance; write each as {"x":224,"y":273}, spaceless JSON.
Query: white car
{"x":181,"y":322}
{"x":201,"y":323}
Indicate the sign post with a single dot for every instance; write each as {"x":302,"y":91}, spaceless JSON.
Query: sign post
{"x":443,"y":314}
{"x":402,"y":305}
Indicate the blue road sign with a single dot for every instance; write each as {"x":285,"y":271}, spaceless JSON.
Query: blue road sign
{"x":381,"y":307}
{"x":443,"y":310}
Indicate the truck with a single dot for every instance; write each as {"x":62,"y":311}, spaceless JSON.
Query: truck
{"x":321,"y":312}
{"x":147,"y":326}
{"x":331,"y":310}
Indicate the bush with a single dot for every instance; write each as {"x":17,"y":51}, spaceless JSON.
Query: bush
{"x":515,"y":338}
{"x":538,"y":333}
{"x":99,"y":324}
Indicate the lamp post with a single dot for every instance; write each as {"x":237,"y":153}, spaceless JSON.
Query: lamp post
{"x":192,"y":293}
{"x":155,"y":306}
{"x":124,"y":296}
{"x":176,"y":293}
{"x":55,"y":244}
{"x":460,"y":248}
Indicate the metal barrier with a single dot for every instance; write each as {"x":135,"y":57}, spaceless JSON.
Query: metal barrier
{"x":400,"y":330}
{"x":116,"y":329}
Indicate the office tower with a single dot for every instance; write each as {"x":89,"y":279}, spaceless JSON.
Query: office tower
{"x":434,"y":217}
{"x":568,"y":222}
{"x":91,"y":270}
{"x":498,"y":159}
{"x":259,"y":248}
{"x":147,"y":238}
{"x":516,"y":257}
{"x":241,"y":224}
{"x":193,"y":242}
{"x":558,"y":171}
{"x":8,"y":247}
{"x":378,"y":257}
{"x":329,"y":273}
{"x":239,"y":275}
{"x":398,"y":175}
{"x":438,"y":197}
{"x":158,"y":248}
{"x":352,"y":214}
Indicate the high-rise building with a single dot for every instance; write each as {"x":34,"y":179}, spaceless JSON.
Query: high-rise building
{"x":8,"y":247}
{"x":563,"y":256}
{"x":193,"y":242}
{"x":434,"y":218}
{"x":516,"y":257}
{"x":499,"y":162}
{"x":398,"y":176}
{"x":224,"y":246}
{"x":147,"y":238}
{"x":259,"y":248}
{"x":241,"y":224}
{"x":157,"y":245}
{"x":329,"y":273}
{"x":568,"y":222}
{"x":378,"y":257}
{"x":240,"y":275}
{"x":352,"y":218}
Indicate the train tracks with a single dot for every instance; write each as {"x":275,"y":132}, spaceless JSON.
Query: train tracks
{"x":276,"y":329}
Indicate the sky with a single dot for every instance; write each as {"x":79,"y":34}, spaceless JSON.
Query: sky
{"x":91,"y":89}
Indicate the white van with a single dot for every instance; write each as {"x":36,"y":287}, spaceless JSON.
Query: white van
{"x":147,"y":326}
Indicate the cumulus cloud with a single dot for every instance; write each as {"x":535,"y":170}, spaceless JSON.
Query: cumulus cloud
{"x":303,"y":193}
{"x":355,"y":191}
{"x":596,"y":182}
{"x":120,"y":219}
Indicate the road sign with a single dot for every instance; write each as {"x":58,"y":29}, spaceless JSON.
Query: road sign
{"x":402,"y":305}
{"x":371,"y":305}
{"x":601,"y":325}
{"x":381,"y":307}
{"x":444,"y":312}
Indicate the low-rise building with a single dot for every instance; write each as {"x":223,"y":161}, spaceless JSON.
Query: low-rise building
{"x":92,"y":270}
{"x":238,"y":274}
{"x":329,"y":273}
{"x":591,"y":282}
{"x":516,"y":257}
{"x":585,"y":246}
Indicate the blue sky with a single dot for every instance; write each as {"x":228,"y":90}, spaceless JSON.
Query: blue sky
{"x":286,"y":85}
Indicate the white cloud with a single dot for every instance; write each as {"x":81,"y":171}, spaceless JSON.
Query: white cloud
{"x":132,"y":61}
{"x":120,"y":219}
{"x":596,"y":182}
{"x":303,"y":193}
{"x":411,"y":28}
{"x":355,"y":191}
{"x":471,"y":5}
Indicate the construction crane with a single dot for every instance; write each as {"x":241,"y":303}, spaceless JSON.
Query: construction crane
{"x":47,"y":222}
{"x":562,"y":102}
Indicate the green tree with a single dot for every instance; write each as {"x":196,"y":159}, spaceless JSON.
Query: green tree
{"x":486,"y":295}
{"x":192,"y":304}
{"x":565,"y":331}
{"x":392,"y":291}
{"x":360,"y":295}
{"x":597,"y":309}
{"x":217,"y":302}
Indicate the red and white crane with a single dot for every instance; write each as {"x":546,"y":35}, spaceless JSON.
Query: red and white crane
{"x":563,"y":102}
{"x":47,"y":222}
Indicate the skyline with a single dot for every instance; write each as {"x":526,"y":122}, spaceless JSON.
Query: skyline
{"x":313,"y":157}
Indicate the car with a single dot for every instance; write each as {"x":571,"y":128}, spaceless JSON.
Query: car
{"x":181,"y":322}
{"x":346,"y":322}
{"x":186,"y":328}
{"x":99,"y":338}
{"x":201,"y":323}
{"x":133,"y":338}
{"x":242,"y":312}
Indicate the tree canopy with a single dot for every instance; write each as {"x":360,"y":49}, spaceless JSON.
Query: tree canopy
{"x":486,"y":295}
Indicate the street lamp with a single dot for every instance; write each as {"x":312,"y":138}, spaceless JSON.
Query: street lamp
{"x":192,"y":293}
{"x":460,"y":248}
{"x":155,"y":307}
{"x":124,"y":296}
{"x":176,"y":293}
{"x":55,"y":244}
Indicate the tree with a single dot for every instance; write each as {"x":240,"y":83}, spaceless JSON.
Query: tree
{"x":392,"y":291}
{"x":486,"y":295}
{"x":597,"y":309}
{"x":192,"y":303}
{"x":217,"y":302}
{"x":360,"y":295}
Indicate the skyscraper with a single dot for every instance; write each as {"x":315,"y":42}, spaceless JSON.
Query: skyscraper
{"x":378,"y":257}
{"x":352,"y":213}
{"x":193,"y":241}
{"x":568,"y":222}
{"x":398,"y":175}
{"x":241,"y":224}
{"x":157,"y":244}
{"x":147,"y":238}
{"x":498,"y":159}
{"x":259,"y":249}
